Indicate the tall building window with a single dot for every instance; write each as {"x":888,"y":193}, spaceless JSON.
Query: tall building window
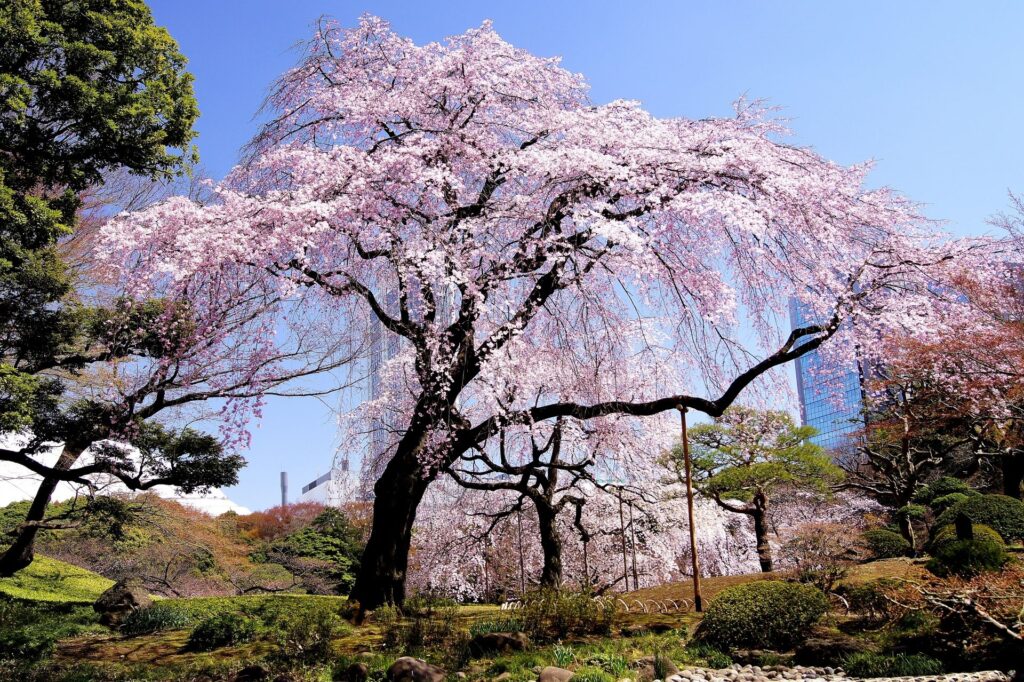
{"x":831,"y":396}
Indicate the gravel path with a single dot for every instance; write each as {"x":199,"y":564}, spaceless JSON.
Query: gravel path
{"x":749,"y":673}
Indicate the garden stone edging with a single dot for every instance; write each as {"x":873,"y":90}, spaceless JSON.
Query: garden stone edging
{"x":753,"y":673}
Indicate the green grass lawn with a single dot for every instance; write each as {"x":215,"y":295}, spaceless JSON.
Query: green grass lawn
{"x":50,"y":580}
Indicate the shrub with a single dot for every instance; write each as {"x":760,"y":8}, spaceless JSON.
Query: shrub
{"x":390,"y":621}
{"x":154,"y":619}
{"x":947,"y":534}
{"x":556,"y":614}
{"x":873,"y":599}
{"x":821,"y":553}
{"x":429,"y":627}
{"x":219,"y":630}
{"x":423,"y":603}
{"x":966,"y":558}
{"x":306,"y":635}
{"x":947,"y":485}
{"x":611,"y":662}
{"x":911,"y":512}
{"x":944,"y":502}
{"x":664,"y":668}
{"x":1004,"y":514}
{"x":767,"y":614}
{"x":562,"y":655}
{"x":505,"y":624}
{"x":868,"y":664}
{"x":883,"y":543}
{"x":707,"y":656}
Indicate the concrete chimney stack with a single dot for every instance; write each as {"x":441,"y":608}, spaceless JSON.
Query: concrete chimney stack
{"x":284,"y":488}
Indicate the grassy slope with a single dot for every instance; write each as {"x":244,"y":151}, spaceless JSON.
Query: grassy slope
{"x":886,"y":568}
{"x":50,"y":580}
{"x":167,"y":648}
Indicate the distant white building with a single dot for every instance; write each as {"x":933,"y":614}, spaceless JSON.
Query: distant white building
{"x":338,"y":486}
{"x":18,"y":483}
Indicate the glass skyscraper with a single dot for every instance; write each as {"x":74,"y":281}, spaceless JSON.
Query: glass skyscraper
{"x":831,"y":396}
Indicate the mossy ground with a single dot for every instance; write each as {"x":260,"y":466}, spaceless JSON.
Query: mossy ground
{"x":164,"y":656}
{"x":50,"y":580}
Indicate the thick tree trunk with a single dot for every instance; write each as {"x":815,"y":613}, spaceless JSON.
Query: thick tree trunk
{"x":764,"y":549}
{"x":551,"y":575}
{"x":1012,"y":467}
{"x":398,"y":492}
{"x":22,"y":550}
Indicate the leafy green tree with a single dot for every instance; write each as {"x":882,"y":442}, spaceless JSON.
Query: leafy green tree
{"x":746,"y":457}
{"x":332,"y":541}
{"x":87,"y":88}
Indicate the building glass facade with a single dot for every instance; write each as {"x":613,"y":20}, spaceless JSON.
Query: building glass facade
{"x":831,"y":396}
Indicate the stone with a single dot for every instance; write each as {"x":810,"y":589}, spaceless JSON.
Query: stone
{"x":409,"y":669}
{"x":553,"y":674}
{"x":119,"y":600}
{"x":251,"y":673}
{"x":645,"y":668}
{"x":497,"y":642}
{"x":357,"y":672}
{"x":503,"y":676}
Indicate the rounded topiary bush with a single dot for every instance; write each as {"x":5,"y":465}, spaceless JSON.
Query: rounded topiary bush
{"x":767,"y":614}
{"x":947,"y":534}
{"x":947,"y":485}
{"x":944,"y":502}
{"x":883,"y":543}
{"x":953,"y":556}
{"x":222,"y":629}
{"x":1004,"y":514}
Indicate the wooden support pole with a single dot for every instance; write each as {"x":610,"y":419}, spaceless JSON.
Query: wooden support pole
{"x":625,"y":557}
{"x":698,"y":602}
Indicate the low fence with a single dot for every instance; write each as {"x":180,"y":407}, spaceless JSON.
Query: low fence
{"x":626,"y":605}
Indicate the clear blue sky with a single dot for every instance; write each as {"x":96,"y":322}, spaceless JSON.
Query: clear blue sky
{"x":931,"y":90}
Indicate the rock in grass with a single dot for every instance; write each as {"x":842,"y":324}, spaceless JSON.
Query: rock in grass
{"x":647,"y":668}
{"x":120,"y":599}
{"x":251,"y":673}
{"x":409,"y":669}
{"x":357,"y":672}
{"x":497,"y":642}
{"x":553,"y":674}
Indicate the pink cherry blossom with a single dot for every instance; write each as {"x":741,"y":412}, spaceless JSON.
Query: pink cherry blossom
{"x":538,"y":254}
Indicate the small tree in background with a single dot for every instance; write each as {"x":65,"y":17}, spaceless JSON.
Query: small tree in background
{"x":911,"y":438}
{"x":746,"y":457}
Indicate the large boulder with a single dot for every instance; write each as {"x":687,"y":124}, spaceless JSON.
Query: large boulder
{"x":409,"y":669}
{"x":497,"y":642}
{"x":553,"y":674}
{"x":121,"y":599}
